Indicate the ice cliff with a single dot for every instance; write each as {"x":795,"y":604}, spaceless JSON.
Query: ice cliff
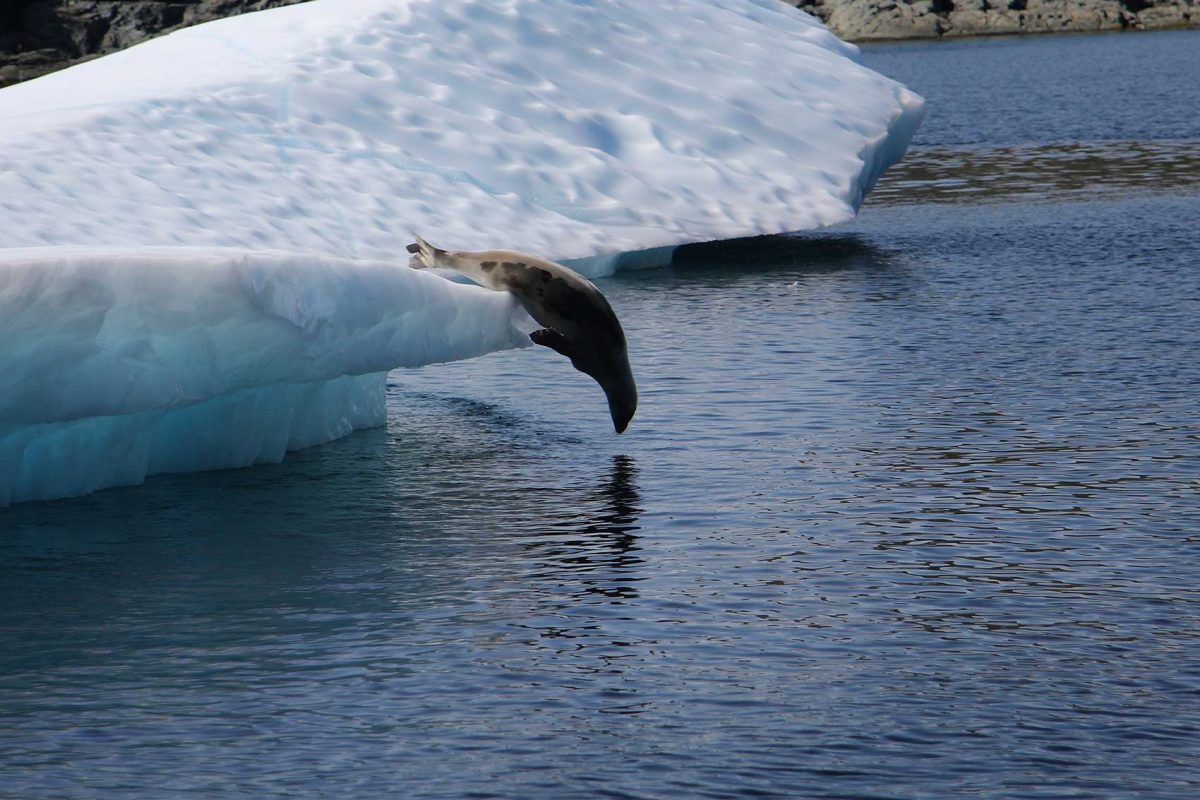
{"x":201,"y":261}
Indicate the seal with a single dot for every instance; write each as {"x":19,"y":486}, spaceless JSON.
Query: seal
{"x":578,"y":321}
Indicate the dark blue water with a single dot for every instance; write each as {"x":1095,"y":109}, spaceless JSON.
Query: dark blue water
{"x":911,"y":509}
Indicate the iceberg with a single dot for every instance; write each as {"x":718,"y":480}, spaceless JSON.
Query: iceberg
{"x":124,"y":363}
{"x":202,"y":253}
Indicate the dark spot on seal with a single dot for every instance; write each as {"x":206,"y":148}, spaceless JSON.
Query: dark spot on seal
{"x":413,"y":248}
{"x":513,"y":265}
{"x":487,"y":266}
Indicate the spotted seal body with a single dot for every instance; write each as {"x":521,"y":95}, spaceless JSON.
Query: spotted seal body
{"x":578,"y":321}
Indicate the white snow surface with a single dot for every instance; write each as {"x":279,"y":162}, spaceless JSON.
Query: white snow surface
{"x":567,"y":129}
{"x":201,"y":262}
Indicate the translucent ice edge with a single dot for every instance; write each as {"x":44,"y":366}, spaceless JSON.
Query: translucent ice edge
{"x":251,"y":426}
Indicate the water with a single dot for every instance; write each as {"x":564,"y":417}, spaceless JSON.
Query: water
{"x":909,"y":511}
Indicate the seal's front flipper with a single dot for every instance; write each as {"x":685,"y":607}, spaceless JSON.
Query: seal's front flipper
{"x":552,"y":339}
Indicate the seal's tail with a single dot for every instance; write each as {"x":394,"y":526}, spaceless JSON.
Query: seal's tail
{"x":424,"y":254}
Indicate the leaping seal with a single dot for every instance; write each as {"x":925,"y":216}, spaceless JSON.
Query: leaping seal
{"x":579,"y":322}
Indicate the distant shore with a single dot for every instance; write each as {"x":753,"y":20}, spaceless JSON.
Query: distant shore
{"x":884,"y":20}
{"x":41,"y":36}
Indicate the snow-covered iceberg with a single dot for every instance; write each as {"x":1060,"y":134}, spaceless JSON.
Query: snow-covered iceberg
{"x":151,"y":318}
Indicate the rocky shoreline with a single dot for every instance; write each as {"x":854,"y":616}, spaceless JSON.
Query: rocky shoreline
{"x":40,"y":36}
{"x":881,"y":20}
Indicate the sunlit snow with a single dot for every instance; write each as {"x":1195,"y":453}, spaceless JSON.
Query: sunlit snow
{"x":202,"y":259}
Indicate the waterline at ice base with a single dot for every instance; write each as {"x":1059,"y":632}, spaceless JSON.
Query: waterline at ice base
{"x":203,"y":265}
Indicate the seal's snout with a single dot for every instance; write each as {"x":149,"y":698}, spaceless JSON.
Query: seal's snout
{"x":621,"y":407}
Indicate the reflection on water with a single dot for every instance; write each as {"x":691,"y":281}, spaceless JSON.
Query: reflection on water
{"x":595,"y":544}
{"x":1040,"y":173}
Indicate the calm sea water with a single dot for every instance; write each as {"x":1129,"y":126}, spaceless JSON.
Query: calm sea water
{"x":910,"y":510}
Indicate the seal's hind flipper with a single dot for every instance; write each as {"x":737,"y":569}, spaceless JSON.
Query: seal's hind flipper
{"x":554,"y":340}
{"x":423,"y":253}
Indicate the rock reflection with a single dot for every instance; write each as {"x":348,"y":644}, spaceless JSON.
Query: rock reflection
{"x":597,"y":549}
{"x":1046,"y":172}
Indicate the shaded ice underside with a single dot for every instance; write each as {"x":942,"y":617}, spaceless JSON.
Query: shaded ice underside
{"x":148,"y":321}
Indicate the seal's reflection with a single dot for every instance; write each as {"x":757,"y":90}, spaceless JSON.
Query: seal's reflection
{"x":598,"y":547}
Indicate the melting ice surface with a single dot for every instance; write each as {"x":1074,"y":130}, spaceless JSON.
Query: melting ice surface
{"x":202,"y":254}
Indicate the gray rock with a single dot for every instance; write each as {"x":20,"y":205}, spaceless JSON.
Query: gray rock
{"x":868,"y":20}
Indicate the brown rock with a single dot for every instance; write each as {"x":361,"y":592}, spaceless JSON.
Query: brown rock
{"x":1168,"y":15}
